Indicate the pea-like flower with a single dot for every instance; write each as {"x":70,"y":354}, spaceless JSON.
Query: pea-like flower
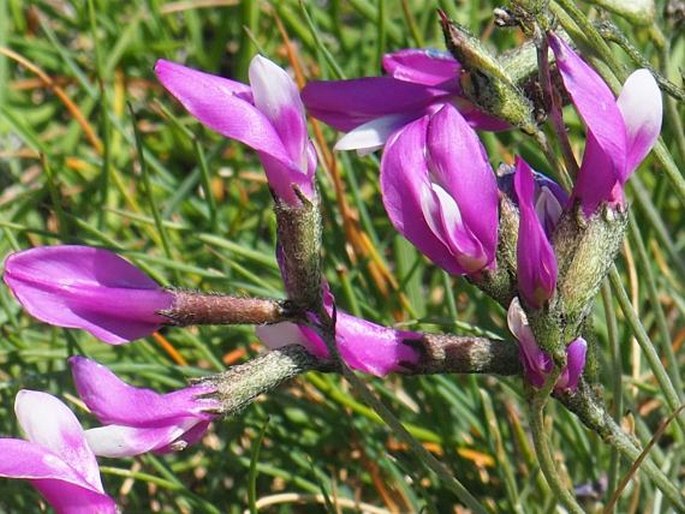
{"x":537,"y":364}
{"x":87,"y":288}
{"x":371,"y":109}
{"x":363,"y":345}
{"x":267,"y":116}
{"x":55,"y":458}
{"x":139,"y":420}
{"x":440,"y":191}
{"x":620,"y":132}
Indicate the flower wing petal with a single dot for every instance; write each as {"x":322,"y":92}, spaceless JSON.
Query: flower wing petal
{"x":47,"y":422}
{"x":63,"y":486}
{"x":404,"y":179}
{"x":428,"y":67}
{"x":346,"y":104}
{"x":113,"y":401}
{"x":595,"y":103}
{"x":127,"y":441}
{"x":372,"y":348}
{"x":373,"y":134}
{"x":642,"y":110}
{"x":459,"y":163}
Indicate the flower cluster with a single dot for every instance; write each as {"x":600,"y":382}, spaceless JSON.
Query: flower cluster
{"x":439,"y":191}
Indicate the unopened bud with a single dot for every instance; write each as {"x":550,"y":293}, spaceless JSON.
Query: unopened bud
{"x":484,"y":80}
{"x":299,"y":237}
{"x":585,"y":250}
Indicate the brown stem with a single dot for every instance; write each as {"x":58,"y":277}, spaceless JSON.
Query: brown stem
{"x":193,"y":308}
{"x":442,"y":353}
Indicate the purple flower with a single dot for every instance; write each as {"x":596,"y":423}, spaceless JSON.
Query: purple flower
{"x":363,"y":345}
{"x":139,"y":420}
{"x":56,"y":458}
{"x":87,"y":288}
{"x":419,"y":82}
{"x":537,"y":364}
{"x":620,"y":132}
{"x":441,"y":193}
{"x":535,"y":260}
{"x":268,"y":116}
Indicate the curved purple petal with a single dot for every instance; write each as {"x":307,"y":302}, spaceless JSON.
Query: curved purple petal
{"x":127,"y":441}
{"x":346,"y":104}
{"x":458,"y":163}
{"x":372,"y":348}
{"x":536,"y":363}
{"x":575,"y":357}
{"x":275,"y":94}
{"x":224,"y":106}
{"x":62,"y":486}
{"x":113,"y":401}
{"x":642,"y":111}
{"x":363,"y":345}
{"x":67,"y":498}
{"x":536,"y":262}
{"x":595,"y":103}
{"x":428,"y":67}
{"x":269,"y":119}
{"x":404,"y":180}
{"x":87,"y":288}
{"x":594,"y":184}
{"x":47,"y":422}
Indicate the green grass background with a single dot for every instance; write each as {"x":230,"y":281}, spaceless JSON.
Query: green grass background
{"x":192,"y":209}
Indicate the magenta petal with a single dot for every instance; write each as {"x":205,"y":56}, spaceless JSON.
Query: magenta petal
{"x":594,"y":184}
{"x":460,"y":165}
{"x":67,"y":498}
{"x":346,"y":104}
{"x":373,"y":348}
{"x":113,"y":401}
{"x":276,"y":96}
{"x":47,"y":422}
{"x":87,"y":288}
{"x":428,"y":67}
{"x":224,"y":106}
{"x":269,"y":118}
{"x":642,"y":111}
{"x":363,"y":345}
{"x":536,"y":262}
{"x":404,"y":178}
{"x":63,"y":486}
{"x":595,"y":103}
{"x":575,"y":357}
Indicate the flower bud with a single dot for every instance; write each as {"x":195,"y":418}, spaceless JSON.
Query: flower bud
{"x":585,"y":249}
